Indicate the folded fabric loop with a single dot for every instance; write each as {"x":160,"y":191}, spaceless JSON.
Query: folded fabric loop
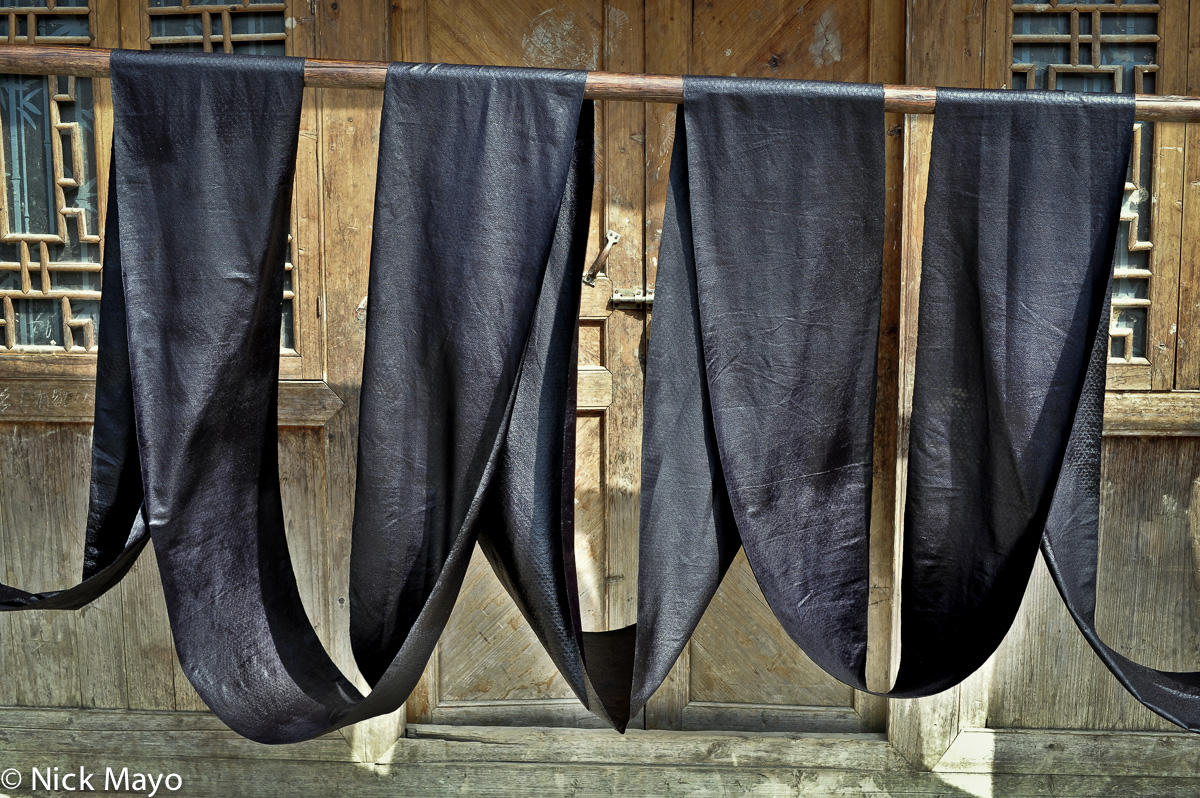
{"x":115,"y":533}
{"x":760,"y":384}
{"x":468,"y":422}
{"x":1071,"y":550}
{"x":466,"y":393}
{"x":1009,"y":308}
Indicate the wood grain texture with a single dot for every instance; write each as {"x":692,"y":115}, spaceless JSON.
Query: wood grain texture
{"x":73,"y":401}
{"x":945,"y":48}
{"x":740,"y":655}
{"x":591,"y":542}
{"x":1074,"y":752}
{"x":150,"y":664}
{"x":348,"y":138}
{"x":410,"y":31}
{"x":814,"y":40}
{"x":43,"y":506}
{"x":1147,"y":587}
{"x":1166,"y":192}
{"x":668,"y":35}
{"x":440,"y":760}
{"x":625,"y":212}
{"x":886,"y":65}
{"x":1174,"y":414}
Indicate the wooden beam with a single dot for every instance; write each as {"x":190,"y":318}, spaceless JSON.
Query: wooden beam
{"x":307,"y":403}
{"x":1174,"y":414}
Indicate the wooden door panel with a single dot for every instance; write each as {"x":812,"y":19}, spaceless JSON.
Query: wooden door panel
{"x":117,"y":652}
{"x":814,"y":40}
{"x":1148,"y":605}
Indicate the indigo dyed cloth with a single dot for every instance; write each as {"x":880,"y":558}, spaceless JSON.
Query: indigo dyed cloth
{"x":760,"y":378}
{"x":467,"y":429}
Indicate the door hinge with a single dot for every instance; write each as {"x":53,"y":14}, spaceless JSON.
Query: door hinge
{"x":632,"y":298}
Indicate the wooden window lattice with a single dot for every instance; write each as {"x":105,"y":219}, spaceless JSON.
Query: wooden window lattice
{"x":244,"y":26}
{"x":49,"y":223}
{"x":1102,"y":47}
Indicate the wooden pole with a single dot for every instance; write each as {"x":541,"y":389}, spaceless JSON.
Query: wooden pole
{"x":92,"y":62}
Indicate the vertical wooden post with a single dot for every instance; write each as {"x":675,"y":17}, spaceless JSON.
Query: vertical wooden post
{"x":945,"y":48}
{"x":624,"y":212}
{"x":886,"y":66}
{"x":348,"y":132}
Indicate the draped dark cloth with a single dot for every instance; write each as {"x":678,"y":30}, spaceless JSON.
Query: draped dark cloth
{"x":760,"y":385}
{"x":760,"y":378}
{"x":466,"y":427}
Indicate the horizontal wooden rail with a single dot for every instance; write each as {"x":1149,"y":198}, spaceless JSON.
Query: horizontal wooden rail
{"x":92,"y":62}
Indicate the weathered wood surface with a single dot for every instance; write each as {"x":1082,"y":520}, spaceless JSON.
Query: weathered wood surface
{"x":302,"y":403}
{"x":1045,"y":675}
{"x":438,"y":761}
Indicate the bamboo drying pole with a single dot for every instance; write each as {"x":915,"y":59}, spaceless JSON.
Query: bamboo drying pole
{"x":91,"y":62}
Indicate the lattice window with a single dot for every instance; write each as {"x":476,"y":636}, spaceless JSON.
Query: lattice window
{"x":49,"y":226}
{"x":245,"y":26}
{"x":45,"y":21}
{"x":49,"y":222}
{"x":1103,"y":47}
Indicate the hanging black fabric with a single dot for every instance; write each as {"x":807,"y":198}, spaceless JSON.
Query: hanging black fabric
{"x":760,"y":387}
{"x":758,"y":397}
{"x":1023,"y":202}
{"x":471,"y":345}
{"x":467,"y":425}
{"x":760,"y":379}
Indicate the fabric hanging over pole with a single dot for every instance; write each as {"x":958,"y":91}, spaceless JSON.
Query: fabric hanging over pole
{"x":759,"y":394}
{"x":467,"y":427}
{"x":760,"y":380}
{"x":188,"y":375}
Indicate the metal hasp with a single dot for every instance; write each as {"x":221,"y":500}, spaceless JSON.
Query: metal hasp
{"x":611,"y":238}
{"x":632,"y":299}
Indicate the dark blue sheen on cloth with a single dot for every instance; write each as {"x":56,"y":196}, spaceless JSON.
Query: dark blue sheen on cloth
{"x":1010,"y":305}
{"x":760,"y":379}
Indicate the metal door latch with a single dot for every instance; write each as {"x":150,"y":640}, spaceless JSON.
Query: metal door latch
{"x":632,"y":298}
{"x":610,"y":239}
